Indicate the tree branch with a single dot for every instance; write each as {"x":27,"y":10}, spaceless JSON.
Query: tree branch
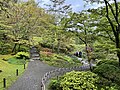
{"x":82,"y":40}
{"x":112,"y":26}
{"x":116,"y":6}
{"x":110,"y":36}
{"x":112,"y":10}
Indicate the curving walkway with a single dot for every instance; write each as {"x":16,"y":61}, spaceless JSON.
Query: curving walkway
{"x":31,"y":79}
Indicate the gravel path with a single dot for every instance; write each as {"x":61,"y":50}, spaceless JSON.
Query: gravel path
{"x":31,"y":79}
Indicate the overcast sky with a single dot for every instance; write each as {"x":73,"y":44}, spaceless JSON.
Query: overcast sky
{"x":77,"y":5}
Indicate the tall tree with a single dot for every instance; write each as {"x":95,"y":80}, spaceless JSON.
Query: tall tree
{"x":114,"y":16}
{"x":25,"y":19}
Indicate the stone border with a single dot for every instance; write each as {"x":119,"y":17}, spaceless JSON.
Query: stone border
{"x":61,"y":71}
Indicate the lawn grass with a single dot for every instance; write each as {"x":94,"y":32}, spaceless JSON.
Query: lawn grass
{"x":9,"y":71}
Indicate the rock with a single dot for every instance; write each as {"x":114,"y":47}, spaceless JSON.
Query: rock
{"x":80,"y":59}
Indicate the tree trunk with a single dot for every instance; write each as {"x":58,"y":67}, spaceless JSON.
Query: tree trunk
{"x":53,"y":39}
{"x":19,"y":47}
{"x":117,"y":30}
{"x":14,"y":48}
{"x":88,"y":56}
{"x":118,"y":55}
{"x":90,"y":66}
{"x":118,"y":52}
{"x":58,"y":47}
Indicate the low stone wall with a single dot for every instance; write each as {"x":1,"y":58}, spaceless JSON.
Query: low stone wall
{"x":60,"y":71}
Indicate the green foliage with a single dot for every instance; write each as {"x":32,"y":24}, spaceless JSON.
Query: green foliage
{"x":82,"y":81}
{"x":109,"y":72}
{"x":79,"y":81}
{"x":16,"y":61}
{"x":74,"y":58}
{"x":104,"y":49}
{"x":54,"y":85}
{"x":22,"y":55}
{"x":5,"y":48}
{"x":59,"y":60}
{"x":64,"y":57}
{"x":105,"y":84}
{"x":111,"y":62}
{"x":24,"y":48}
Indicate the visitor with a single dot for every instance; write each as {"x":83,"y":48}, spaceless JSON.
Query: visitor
{"x":80,"y":54}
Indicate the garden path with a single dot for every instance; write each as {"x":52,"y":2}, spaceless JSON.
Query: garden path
{"x":31,"y":79}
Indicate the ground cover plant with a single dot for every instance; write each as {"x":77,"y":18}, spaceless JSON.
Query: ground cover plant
{"x":59,"y":60}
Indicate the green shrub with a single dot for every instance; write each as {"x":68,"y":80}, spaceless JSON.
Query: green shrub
{"x":111,"y":62}
{"x":5,"y":49}
{"x":100,"y":55}
{"x":105,"y":84}
{"x":59,"y":60}
{"x":23,"y":48}
{"x":108,"y":71}
{"x":46,"y":58}
{"x":54,"y":85}
{"x":64,"y":57}
{"x":22,"y":55}
{"x":79,"y":81}
{"x":82,"y":81}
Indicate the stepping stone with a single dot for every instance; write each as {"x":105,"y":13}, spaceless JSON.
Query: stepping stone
{"x":31,"y":60}
{"x":34,"y":54}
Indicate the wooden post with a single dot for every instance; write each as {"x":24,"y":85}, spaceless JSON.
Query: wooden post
{"x":4,"y":82}
{"x":24,"y":66}
{"x":16,"y":72}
